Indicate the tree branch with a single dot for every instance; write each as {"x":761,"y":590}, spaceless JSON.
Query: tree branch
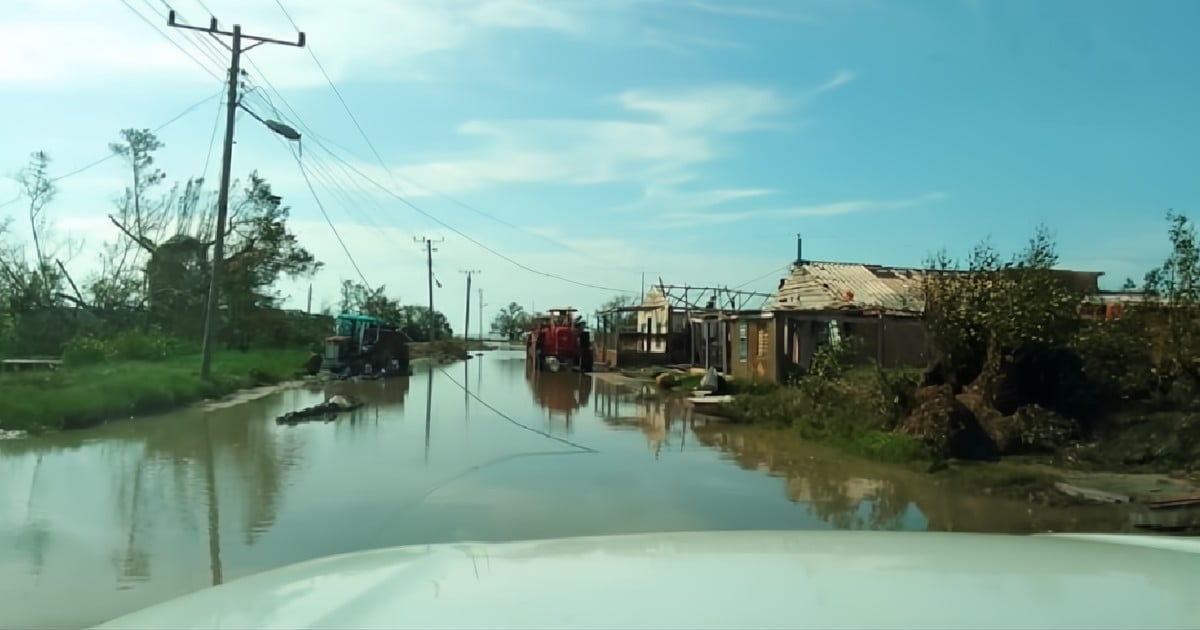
{"x":141,"y":241}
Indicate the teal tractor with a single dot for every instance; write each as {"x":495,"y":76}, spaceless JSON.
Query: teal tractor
{"x":363,"y":345}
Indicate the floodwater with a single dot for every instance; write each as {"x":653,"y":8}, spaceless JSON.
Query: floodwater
{"x":97,"y":523}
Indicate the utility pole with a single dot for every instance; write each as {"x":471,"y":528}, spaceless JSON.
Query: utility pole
{"x":235,"y":48}
{"x":429,"y":258}
{"x":308,"y":309}
{"x":467,"y":319}
{"x":481,"y":305}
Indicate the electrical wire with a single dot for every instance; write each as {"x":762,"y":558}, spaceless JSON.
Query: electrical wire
{"x":383,"y":164}
{"x":321,"y":206}
{"x":764,"y":276}
{"x":514,"y":422}
{"x":112,"y":155}
{"x":171,"y":40}
{"x":212,"y":139}
{"x":467,"y":237}
{"x":210,"y":52}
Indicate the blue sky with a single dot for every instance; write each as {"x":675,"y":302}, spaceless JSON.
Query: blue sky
{"x":687,"y":139}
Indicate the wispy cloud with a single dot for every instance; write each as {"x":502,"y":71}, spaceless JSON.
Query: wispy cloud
{"x":47,"y":44}
{"x":748,"y":10}
{"x":832,"y":209}
{"x":687,"y":44}
{"x":841,"y":78}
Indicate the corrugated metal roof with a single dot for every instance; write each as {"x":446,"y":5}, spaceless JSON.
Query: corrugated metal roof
{"x":819,"y":286}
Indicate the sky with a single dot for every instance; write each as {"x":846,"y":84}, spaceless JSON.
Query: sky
{"x":607,"y":141}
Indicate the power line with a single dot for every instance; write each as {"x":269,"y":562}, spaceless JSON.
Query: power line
{"x":321,"y":206}
{"x":212,"y":139}
{"x":172,"y":41}
{"x":514,"y":422}
{"x":765,"y":275}
{"x":308,"y":131}
{"x":111,"y":155}
{"x":337,"y":92}
{"x":210,"y":52}
{"x":382,"y":163}
{"x":460,"y":233}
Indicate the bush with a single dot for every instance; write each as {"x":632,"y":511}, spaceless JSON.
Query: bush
{"x":129,"y":345}
{"x":85,"y":350}
{"x":856,"y":410}
{"x":138,"y":346}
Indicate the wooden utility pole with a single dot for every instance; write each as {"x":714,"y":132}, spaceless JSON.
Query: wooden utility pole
{"x":481,"y":315}
{"x":467,"y":319}
{"x":429,"y":258}
{"x":235,"y":48}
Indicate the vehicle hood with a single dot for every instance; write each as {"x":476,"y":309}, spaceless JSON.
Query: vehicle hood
{"x":720,"y":580}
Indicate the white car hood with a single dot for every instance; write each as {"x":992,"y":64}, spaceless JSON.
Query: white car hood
{"x":720,"y":580}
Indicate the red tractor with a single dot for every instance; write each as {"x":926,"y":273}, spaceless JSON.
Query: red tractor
{"x":558,"y":341}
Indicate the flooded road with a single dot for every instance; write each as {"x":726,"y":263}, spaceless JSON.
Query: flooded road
{"x":100,"y":522}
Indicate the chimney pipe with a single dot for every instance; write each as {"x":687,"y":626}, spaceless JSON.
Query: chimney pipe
{"x":799,"y":250}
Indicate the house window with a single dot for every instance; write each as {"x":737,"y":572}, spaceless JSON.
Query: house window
{"x":743,"y":341}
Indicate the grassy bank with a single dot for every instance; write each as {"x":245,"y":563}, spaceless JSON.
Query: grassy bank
{"x":445,"y":350}
{"x":76,"y":397}
{"x":856,"y":411}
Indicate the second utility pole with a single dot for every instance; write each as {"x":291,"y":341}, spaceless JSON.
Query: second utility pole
{"x":235,"y":48}
{"x":467,"y":319}
{"x":429,"y":257}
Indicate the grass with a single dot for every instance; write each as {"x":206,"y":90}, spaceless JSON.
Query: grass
{"x":78,"y":397}
{"x":442,"y":349}
{"x":855,"y":411}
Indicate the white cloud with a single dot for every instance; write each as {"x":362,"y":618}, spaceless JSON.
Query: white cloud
{"x":836,"y":208}
{"x":682,"y":130}
{"x":64,"y":43}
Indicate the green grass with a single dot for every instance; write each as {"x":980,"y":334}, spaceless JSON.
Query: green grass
{"x":855,"y":412}
{"x":85,"y":396}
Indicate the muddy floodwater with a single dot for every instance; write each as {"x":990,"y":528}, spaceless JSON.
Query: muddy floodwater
{"x":97,"y":523}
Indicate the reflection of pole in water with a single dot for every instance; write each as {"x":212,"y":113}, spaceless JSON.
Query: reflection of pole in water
{"x":428,"y":409}
{"x":214,"y":516}
{"x":466,"y":392}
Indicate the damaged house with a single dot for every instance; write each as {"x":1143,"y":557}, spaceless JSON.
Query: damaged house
{"x":822,"y":303}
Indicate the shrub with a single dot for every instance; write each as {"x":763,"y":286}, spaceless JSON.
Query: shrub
{"x":86,"y":350}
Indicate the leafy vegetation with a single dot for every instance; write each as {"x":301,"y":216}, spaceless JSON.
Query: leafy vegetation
{"x":1025,"y":365}
{"x":128,"y":332}
{"x":412,"y":320}
{"x":511,"y":321}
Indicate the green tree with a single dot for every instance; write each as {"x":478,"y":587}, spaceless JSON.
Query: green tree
{"x":358,"y":298}
{"x":1177,"y":283}
{"x":993,"y":314}
{"x":511,"y":321}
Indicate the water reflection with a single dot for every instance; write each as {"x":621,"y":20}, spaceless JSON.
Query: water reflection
{"x":138,"y":511}
{"x":665,"y":422}
{"x":854,"y":494}
{"x":561,"y":394}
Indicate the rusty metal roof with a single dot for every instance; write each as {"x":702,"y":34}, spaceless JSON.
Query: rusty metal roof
{"x":821,"y":286}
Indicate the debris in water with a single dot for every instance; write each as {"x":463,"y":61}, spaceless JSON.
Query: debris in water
{"x":11,"y":435}
{"x":326,"y":411}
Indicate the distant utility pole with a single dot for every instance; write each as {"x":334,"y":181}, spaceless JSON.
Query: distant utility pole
{"x":308,"y":309}
{"x":429,"y":257}
{"x":467,"y":319}
{"x":236,"y":50}
{"x":481,"y":305}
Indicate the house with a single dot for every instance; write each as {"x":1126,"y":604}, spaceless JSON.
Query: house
{"x":822,"y":303}
{"x":652,"y":333}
